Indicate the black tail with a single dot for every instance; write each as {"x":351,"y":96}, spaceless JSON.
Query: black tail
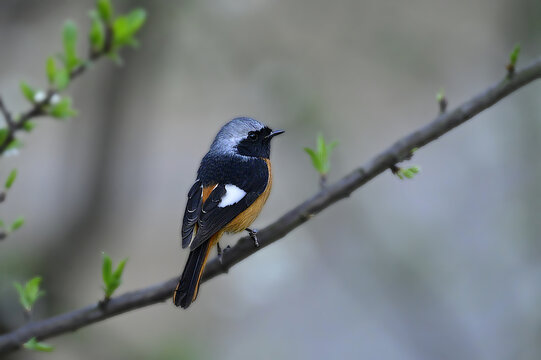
{"x":188,"y":286}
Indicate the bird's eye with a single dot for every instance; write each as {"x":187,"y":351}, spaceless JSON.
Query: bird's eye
{"x":252,"y":135}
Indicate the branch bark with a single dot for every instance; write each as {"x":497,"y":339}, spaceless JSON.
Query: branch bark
{"x":399,"y":151}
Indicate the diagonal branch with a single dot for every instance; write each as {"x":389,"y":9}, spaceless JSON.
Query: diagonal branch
{"x":400,"y":151}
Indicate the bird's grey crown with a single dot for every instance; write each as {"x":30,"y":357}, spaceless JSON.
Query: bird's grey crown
{"x":232,"y":133}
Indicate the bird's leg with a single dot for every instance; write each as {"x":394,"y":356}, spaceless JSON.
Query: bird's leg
{"x":253,"y":235}
{"x":221,"y":252}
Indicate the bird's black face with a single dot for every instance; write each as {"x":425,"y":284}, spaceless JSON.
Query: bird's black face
{"x":257,"y":143}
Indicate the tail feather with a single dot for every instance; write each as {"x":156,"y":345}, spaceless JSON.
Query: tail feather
{"x":188,"y":286}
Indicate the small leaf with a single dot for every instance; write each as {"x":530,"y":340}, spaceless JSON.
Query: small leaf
{"x":407,"y":173}
{"x":15,"y":144}
{"x":321,"y":156}
{"x":22,"y":296}
{"x":415,"y":169}
{"x":61,"y":79}
{"x":17,"y":224}
{"x":3,"y":135}
{"x":28,"y":126}
{"x":111,"y":280}
{"x":11,"y":178}
{"x":97,"y":32}
{"x":50,"y":68}
{"x":30,"y":293}
{"x":120,"y":269}
{"x":513,"y":57}
{"x":33,"y":344}
{"x":62,"y":109}
{"x":331,"y":146}
{"x":2,"y":224}
{"x":28,"y":92}
{"x":125,"y":27}
{"x":440,"y":96}
{"x":69,"y":36}
{"x":105,"y":10}
{"x":106,"y":269}
{"x":316,"y":162}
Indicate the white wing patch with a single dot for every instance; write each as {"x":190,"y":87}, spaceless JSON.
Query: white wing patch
{"x":233,"y":195}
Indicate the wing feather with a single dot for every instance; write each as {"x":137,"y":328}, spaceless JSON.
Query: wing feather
{"x":192,"y":212}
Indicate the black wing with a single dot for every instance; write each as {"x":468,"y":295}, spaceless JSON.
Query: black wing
{"x":191,"y":214}
{"x":213,"y":218}
{"x":201,"y":221}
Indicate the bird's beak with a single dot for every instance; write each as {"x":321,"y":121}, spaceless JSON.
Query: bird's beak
{"x":274,"y":133}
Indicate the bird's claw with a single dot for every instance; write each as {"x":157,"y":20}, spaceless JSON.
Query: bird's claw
{"x":253,"y":235}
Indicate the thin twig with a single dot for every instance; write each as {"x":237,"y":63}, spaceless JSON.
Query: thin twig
{"x":401,"y":150}
{"x":7,"y":115}
{"x":38,"y":108}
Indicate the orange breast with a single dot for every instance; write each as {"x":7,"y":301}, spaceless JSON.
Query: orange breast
{"x":247,"y":217}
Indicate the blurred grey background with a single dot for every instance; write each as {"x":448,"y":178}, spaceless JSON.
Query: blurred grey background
{"x":445,"y":266}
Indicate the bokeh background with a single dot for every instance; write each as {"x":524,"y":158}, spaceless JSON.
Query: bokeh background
{"x":445,"y":266}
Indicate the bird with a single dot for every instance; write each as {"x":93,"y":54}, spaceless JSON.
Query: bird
{"x":232,"y":185}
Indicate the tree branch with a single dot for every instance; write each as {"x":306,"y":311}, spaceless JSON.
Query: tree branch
{"x":400,"y":151}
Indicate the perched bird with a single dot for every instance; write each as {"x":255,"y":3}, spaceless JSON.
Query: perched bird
{"x":233,"y":183}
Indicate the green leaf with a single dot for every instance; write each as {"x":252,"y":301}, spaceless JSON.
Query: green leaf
{"x":28,"y":126}
{"x":415,"y":169}
{"x":408,"y":173}
{"x":22,"y":296}
{"x":125,"y":27}
{"x":321,"y":156}
{"x":316,"y":162}
{"x":27,"y":91}
{"x":106,"y":269}
{"x":513,"y":57}
{"x":17,"y":224}
{"x":2,"y":224}
{"x":117,"y":274}
{"x":111,"y":280}
{"x":69,"y":36}
{"x":14,"y":144}
{"x":105,"y":10}
{"x":61,"y":79}
{"x":440,"y":96}
{"x":11,"y":178}
{"x":62,"y":109}
{"x":50,"y":68}
{"x":3,"y":135}
{"x":29,"y":293}
{"x":97,"y":32}
{"x":33,"y":344}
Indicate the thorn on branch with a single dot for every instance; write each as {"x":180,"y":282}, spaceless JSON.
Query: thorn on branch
{"x":442,"y":101}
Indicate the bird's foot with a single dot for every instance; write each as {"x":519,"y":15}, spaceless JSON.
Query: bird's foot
{"x":221,"y":252}
{"x":253,"y":235}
